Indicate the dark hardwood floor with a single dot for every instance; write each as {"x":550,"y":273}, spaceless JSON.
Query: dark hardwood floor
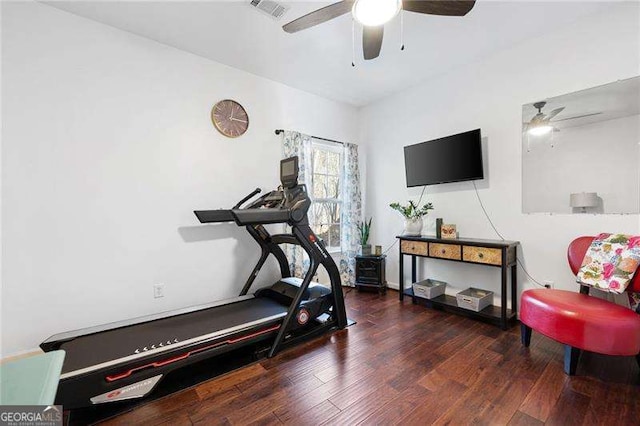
{"x":406,"y":364}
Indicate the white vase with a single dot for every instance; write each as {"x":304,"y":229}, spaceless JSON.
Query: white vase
{"x":413,"y":226}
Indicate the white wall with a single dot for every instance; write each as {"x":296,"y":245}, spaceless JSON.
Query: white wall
{"x":107,"y":149}
{"x":490,"y":95}
{"x":609,"y":149}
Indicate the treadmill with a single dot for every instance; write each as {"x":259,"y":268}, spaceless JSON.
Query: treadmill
{"x":128,"y":359}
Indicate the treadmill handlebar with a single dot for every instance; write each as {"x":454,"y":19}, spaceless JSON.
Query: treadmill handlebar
{"x":289,"y":205}
{"x":261,"y":216}
{"x":241,"y":202}
{"x":244,"y":216}
{"x":211,"y":216}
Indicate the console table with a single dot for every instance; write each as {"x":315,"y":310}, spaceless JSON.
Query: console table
{"x":492,"y":253}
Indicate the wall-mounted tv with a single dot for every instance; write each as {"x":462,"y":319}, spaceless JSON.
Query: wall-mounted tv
{"x":451,"y":159}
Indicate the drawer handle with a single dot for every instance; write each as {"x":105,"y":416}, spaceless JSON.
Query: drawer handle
{"x":480,"y":255}
{"x":443,"y":251}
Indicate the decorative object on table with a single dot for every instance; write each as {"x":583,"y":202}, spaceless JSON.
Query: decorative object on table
{"x":429,"y":289}
{"x":449,"y":231}
{"x":364,"y":229}
{"x":474,"y":299}
{"x":413,"y":215}
{"x":378,"y":251}
{"x":439,"y":222}
{"x":610,"y":262}
{"x":230,"y":118}
{"x":583,"y":200}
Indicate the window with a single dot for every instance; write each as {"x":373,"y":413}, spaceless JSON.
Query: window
{"x":326,"y":161}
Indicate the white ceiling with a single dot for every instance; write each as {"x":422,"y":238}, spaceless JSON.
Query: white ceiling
{"x":318,"y":60}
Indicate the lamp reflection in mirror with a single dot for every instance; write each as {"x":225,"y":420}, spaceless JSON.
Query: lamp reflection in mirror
{"x":373,"y":13}
{"x":583,"y":200}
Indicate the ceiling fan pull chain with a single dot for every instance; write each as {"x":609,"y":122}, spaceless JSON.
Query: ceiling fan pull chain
{"x":353,"y":42}
{"x":401,"y":30}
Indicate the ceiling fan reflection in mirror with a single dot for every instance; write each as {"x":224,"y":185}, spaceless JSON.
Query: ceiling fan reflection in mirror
{"x":541,"y":124}
{"x":373,"y":14}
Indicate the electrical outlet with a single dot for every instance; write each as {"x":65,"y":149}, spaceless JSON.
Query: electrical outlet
{"x":158,"y":291}
{"x":548,"y":283}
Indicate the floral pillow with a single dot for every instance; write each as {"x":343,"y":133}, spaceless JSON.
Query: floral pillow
{"x":610,"y":262}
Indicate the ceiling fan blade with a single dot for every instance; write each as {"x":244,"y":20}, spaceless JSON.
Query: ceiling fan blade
{"x":577,"y":116}
{"x":439,"y":7}
{"x":372,"y":41}
{"x":554,"y":113}
{"x":319,"y":16}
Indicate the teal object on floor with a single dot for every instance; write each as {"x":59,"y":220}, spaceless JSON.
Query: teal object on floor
{"x":32,"y":380}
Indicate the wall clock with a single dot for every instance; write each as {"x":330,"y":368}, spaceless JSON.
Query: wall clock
{"x":230,"y":118}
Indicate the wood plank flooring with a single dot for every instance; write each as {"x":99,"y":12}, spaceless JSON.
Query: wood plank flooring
{"x":407,"y":364}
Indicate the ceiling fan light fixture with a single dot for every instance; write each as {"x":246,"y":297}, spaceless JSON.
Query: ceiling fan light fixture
{"x":375,"y":12}
{"x":540,"y":130}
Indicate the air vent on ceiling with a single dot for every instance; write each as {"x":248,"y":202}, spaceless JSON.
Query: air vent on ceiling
{"x":270,"y":7}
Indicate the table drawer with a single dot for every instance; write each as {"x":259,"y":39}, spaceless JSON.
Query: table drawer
{"x":490,"y":256}
{"x":414,"y":247}
{"x":444,"y":251}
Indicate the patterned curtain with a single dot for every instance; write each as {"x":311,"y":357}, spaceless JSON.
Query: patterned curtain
{"x":295,"y":143}
{"x":351,"y":214}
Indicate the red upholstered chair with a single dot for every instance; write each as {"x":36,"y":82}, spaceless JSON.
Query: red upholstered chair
{"x":580,"y":321}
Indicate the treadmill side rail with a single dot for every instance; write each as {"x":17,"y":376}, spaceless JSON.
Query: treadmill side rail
{"x":195,"y":341}
{"x":54,"y":342}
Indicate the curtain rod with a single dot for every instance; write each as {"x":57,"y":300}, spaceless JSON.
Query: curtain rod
{"x":278,"y":131}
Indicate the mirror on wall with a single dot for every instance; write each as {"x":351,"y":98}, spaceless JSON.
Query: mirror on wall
{"x":581,"y":151}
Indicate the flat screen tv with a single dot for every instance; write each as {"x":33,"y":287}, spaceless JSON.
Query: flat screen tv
{"x":451,"y":159}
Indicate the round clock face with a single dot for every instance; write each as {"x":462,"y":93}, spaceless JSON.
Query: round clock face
{"x":230,"y":118}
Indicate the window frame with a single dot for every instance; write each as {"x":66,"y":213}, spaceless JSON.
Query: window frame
{"x":336,"y":148}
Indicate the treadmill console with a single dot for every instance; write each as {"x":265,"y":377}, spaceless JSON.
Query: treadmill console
{"x":291,"y":195}
{"x":289,"y":172}
{"x":295,"y":195}
{"x":287,"y":204}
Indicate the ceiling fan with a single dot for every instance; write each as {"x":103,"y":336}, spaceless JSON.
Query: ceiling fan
{"x":540,"y":124}
{"x":373,"y":14}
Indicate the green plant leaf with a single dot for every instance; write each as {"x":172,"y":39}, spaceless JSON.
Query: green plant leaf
{"x":412,"y":210}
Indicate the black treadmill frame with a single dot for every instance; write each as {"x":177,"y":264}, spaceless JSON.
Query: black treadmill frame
{"x":285,"y":330}
{"x":301,"y":235}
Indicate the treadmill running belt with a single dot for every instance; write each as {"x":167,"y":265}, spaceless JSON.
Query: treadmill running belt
{"x":110,"y":345}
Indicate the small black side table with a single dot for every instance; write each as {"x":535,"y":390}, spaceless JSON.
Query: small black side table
{"x":370,"y":273}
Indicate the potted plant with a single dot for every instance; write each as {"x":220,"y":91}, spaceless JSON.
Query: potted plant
{"x":413,"y":214}
{"x":364,"y":228}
